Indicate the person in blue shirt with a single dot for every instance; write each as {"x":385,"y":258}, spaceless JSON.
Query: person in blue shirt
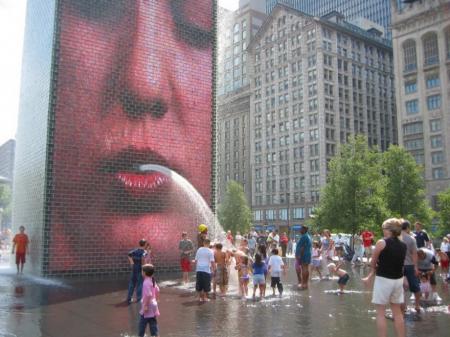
{"x":136,"y":259}
{"x":259,"y":276}
{"x":303,"y":258}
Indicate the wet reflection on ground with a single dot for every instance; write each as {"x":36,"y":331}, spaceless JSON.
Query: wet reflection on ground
{"x":37,"y":307}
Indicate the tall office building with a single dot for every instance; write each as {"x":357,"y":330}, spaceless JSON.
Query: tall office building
{"x":315,"y":82}
{"x":355,"y":11}
{"x":233,"y":104}
{"x":235,"y":30}
{"x":421,"y":42}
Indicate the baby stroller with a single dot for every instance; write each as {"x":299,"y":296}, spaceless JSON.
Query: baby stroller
{"x":348,"y":253}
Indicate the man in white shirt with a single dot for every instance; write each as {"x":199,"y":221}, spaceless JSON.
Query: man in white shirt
{"x":204,"y":259}
{"x":339,"y":246}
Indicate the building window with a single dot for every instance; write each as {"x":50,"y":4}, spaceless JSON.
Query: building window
{"x":412,"y":128}
{"x":412,"y":107}
{"x":437,"y":157}
{"x":414,"y":144}
{"x":436,"y":142}
{"x":298,"y":213}
{"x":430,"y":49}
{"x":270,"y":214}
{"x":438,"y":173}
{"x":257,"y":215}
{"x":410,"y":87}
{"x":433,"y":81}
{"x":409,"y":55}
{"x":419,"y":158}
{"x":283,"y":212}
{"x":435,"y":125}
{"x":434,"y":102}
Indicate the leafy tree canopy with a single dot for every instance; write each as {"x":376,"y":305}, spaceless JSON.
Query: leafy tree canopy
{"x":234,"y":212}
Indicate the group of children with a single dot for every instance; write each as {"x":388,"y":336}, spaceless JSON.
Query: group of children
{"x":333,"y":269}
{"x":256,"y":269}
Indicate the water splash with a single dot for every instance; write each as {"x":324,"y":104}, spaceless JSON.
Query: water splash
{"x":202,"y":210}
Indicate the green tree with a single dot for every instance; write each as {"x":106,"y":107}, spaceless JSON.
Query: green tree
{"x":352,"y":198}
{"x":444,"y":211}
{"x":234,"y":213}
{"x":5,"y":204}
{"x":404,"y":185}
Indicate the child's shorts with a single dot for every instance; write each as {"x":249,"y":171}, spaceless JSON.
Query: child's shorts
{"x":275,"y":281}
{"x":203,"y":282}
{"x":259,"y":279}
{"x":316,"y":263}
{"x":343,"y":279}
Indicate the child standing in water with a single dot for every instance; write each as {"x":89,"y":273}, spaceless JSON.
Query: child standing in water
{"x":425,"y":286}
{"x":343,"y":276}
{"x":316,"y":258}
{"x":259,"y":276}
{"x":149,"y":306}
{"x":243,"y":273}
{"x":276,"y":267}
{"x":221,"y":274}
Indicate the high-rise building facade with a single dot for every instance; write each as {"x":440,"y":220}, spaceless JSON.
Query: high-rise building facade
{"x":315,"y":82}
{"x":235,"y":30}
{"x":421,"y":42}
{"x":377,"y":11}
{"x":233,"y":104}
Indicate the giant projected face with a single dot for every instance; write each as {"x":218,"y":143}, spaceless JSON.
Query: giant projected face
{"x":133,"y":87}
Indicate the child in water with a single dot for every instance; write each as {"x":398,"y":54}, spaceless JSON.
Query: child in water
{"x":343,"y":275}
{"x":259,"y":276}
{"x":276,"y":267}
{"x":243,"y":273}
{"x":149,"y":306}
{"x":425,"y":286}
{"x":221,"y":274}
{"x":316,"y":258}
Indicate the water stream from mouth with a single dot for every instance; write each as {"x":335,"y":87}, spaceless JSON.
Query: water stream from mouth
{"x":201,"y":210}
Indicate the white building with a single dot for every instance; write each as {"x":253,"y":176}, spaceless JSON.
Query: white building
{"x":315,"y":82}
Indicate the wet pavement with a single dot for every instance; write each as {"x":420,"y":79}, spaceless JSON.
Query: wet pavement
{"x":35,"y":307}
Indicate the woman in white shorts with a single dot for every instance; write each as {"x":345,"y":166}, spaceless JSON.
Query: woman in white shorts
{"x":387,"y":264}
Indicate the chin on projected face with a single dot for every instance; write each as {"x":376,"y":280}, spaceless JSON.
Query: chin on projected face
{"x":133,"y":87}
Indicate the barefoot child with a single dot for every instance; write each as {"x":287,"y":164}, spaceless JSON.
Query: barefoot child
{"x":316,"y":258}
{"x":443,"y":261}
{"x":425,"y":286}
{"x":149,"y":306}
{"x":221,"y":274}
{"x":343,"y":276}
{"x":276,"y":267}
{"x":259,"y":276}
{"x":244,"y":276}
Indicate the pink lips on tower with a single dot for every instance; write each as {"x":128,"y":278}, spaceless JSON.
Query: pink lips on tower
{"x":141,"y":185}
{"x":131,"y":189}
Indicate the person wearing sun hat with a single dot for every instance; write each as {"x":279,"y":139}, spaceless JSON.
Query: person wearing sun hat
{"x":202,"y":234}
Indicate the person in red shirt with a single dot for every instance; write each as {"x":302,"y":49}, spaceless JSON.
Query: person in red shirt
{"x":20,"y":247}
{"x":284,"y":240}
{"x":367,"y":237}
